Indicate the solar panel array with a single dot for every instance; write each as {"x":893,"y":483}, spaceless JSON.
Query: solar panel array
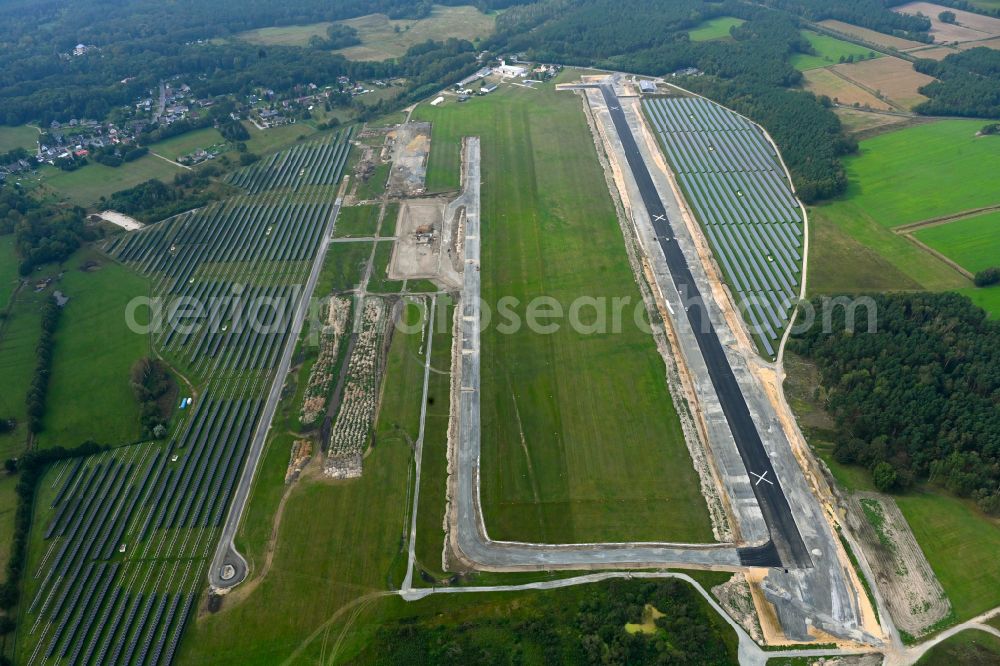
{"x":130,"y":532}
{"x":736,"y":186}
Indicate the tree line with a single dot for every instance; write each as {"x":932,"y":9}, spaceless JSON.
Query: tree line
{"x":550,"y":629}
{"x":154,"y":389}
{"x":916,"y":399}
{"x":38,"y":390}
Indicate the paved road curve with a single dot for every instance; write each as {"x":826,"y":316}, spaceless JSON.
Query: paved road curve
{"x":220,"y":576}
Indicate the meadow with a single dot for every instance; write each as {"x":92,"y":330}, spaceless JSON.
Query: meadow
{"x":86,"y":185}
{"x":923,"y":172}
{"x":19,"y":136}
{"x":717,"y":28}
{"x":966,"y":647}
{"x":185,"y":144}
{"x":581,"y":441}
{"x":900,"y":177}
{"x":89,"y":394}
{"x":355,"y":221}
{"x":383,"y":38}
{"x":974,"y":242}
{"x":829,"y":51}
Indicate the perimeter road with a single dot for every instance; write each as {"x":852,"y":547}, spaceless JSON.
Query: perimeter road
{"x":220,"y":577}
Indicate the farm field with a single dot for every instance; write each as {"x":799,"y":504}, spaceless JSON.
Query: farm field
{"x":967,"y":27}
{"x":266,"y":141}
{"x":872,"y":36}
{"x":89,"y":395}
{"x":892,"y":78}
{"x":822,"y":81}
{"x":9,"y":275}
{"x":974,"y":243}
{"x":185,"y":144}
{"x":86,"y":185}
{"x":893,"y":172}
{"x":966,"y":647}
{"x":383,"y":38}
{"x":855,"y":121}
{"x":888,"y":183}
{"x":829,"y":51}
{"x":580,"y":438}
{"x":20,"y":136}
{"x":717,"y":28}
{"x":738,"y":190}
{"x":853,"y":252}
{"x":19,"y":335}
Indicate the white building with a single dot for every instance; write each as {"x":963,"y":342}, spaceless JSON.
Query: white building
{"x":511,"y":71}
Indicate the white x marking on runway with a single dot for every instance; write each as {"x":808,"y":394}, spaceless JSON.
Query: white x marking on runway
{"x":760,"y":477}
{"x":614,"y":108}
{"x":659,"y":218}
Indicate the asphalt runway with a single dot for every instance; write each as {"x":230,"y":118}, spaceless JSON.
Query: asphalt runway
{"x":786,"y":547}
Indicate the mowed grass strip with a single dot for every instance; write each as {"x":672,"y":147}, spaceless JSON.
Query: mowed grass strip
{"x":580,"y":439}
{"x":717,"y":28}
{"x":829,"y":51}
{"x":974,"y":243}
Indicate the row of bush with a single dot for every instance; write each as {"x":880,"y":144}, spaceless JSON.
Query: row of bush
{"x":43,"y":365}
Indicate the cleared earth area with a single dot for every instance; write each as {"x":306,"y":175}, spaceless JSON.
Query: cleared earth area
{"x":580,"y":438}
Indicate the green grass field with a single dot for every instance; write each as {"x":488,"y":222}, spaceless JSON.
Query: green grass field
{"x":854,"y":248}
{"x":356,"y":221}
{"x":580,"y":438}
{"x":988,"y":299}
{"x":374,"y":186}
{"x":185,"y":144}
{"x":20,"y":136}
{"x":961,"y":544}
{"x":829,"y":51}
{"x":86,"y":185}
{"x":18,"y":339}
{"x":89,"y":394}
{"x":717,"y":28}
{"x":966,"y":647}
{"x":267,"y":141}
{"x":383,"y":38}
{"x":379,"y":281}
{"x":923,"y":172}
{"x":341,"y":270}
{"x":974,"y":243}
{"x":8,"y":270}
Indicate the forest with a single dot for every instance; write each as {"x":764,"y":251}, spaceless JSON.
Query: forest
{"x":916,"y":399}
{"x":968,"y":84}
{"x":751,"y":73}
{"x":142,"y":41}
{"x":43,"y":233}
{"x":547,"y":629}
